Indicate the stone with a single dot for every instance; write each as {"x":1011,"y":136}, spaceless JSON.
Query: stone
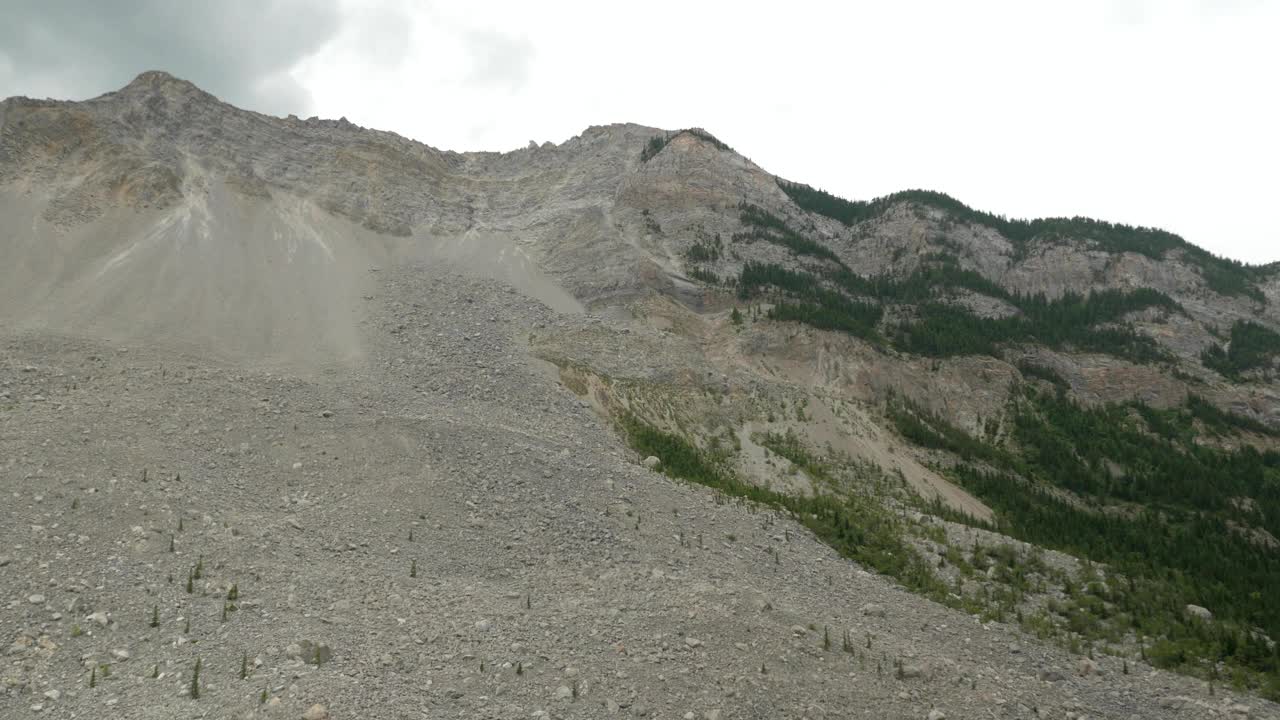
{"x":120,"y":654}
{"x":99,"y":618}
{"x":484,"y":625}
{"x":312,"y":652}
{"x":693,"y":642}
{"x":1086,"y":667}
{"x":1050,"y":676}
{"x":316,"y":712}
{"x":564,"y":692}
{"x":36,"y":599}
{"x":5,"y":560}
{"x":936,"y":715}
{"x":652,"y":462}
{"x":1198,"y":612}
{"x":53,"y":694}
{"x":873,"y":610}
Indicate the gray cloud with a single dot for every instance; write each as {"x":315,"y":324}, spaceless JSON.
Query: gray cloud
{"x":498,"y":60}
{"x":239,"y":50}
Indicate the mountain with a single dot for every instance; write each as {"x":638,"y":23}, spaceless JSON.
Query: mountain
{"x":621,"y":426}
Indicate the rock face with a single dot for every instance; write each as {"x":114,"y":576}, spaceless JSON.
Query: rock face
{"x":113,"y":203}
{"x":333,"y":414}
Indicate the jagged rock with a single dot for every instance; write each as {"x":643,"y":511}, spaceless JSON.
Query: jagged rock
{"x":652,"y":462}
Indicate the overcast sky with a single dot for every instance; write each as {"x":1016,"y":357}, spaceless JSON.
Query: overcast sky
{"x":1161,"y":112}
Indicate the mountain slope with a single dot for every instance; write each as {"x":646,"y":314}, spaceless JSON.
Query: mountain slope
{"x":387,"y":392}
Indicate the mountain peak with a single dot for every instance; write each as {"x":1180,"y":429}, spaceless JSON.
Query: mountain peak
{"x":152,"y":79}
{"x":159,"y":82}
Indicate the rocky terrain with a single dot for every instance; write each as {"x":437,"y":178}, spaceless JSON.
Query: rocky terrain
{"x":301,"y":419}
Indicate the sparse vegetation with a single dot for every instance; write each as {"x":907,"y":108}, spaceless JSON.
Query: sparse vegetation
{"x":657,"y":143}
{"x":771,"y":228}
{"x":1252,"y":347}
{"x":857,"y":527}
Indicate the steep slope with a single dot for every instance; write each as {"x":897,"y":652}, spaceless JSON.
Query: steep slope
{"x":341,"y":367}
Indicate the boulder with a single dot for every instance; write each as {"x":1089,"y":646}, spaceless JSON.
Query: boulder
{"x":1198,"y":612}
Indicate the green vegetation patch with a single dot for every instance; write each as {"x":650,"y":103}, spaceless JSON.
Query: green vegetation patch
{"x":658,"y":143}
{"x":1252,"y":346}
{"x":857,"y":527}
{"x":1166,"y":512}
{"x":771,"y":228}
{"x":843,"y":301}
